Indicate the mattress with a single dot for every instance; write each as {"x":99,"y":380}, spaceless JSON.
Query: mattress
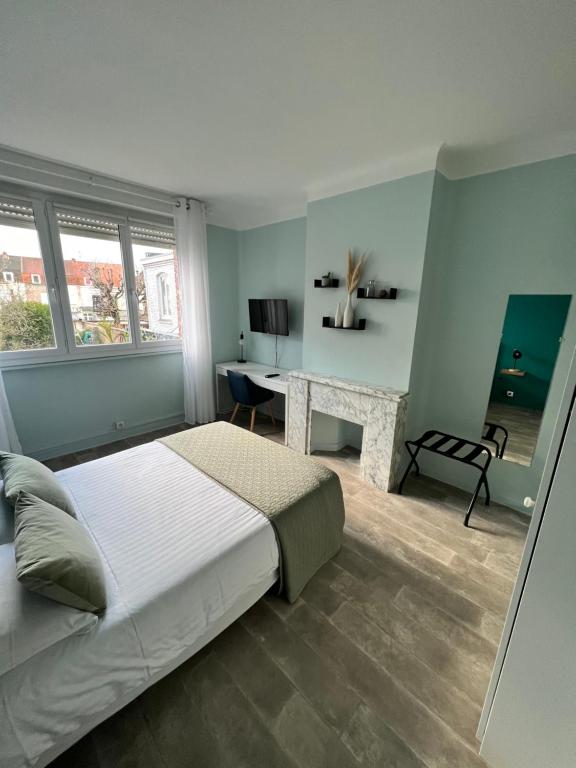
{"x":183,"y":558}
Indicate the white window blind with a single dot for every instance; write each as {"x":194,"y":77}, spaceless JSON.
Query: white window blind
{"x":16,"y":214}
{"x":145,"y":234}
{"x":74,"y":223}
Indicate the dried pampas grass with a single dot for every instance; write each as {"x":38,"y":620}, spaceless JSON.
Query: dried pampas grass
{"x":355,"y":267}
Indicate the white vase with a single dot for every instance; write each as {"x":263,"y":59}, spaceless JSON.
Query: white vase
{"x":338,"y":316}
{"x":348,"y":319}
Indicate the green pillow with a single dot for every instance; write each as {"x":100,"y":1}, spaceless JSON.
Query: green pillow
{"x":56,"y":556}
{"x":6,"y":520}
{"x":21,"y":473}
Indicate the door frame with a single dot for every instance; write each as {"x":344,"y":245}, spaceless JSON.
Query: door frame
{"x":560,"y":426}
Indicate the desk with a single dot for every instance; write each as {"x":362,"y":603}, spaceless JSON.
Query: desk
{"x":257,"y":373}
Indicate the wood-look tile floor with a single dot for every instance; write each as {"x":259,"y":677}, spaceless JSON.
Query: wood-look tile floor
{"x":383,"y":661}
{"x":523,"y":425}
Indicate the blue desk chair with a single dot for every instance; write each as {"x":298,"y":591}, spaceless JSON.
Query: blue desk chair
{"x":246,"y":393}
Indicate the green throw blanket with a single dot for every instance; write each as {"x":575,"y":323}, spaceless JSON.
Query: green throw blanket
{"x":301,"y":498}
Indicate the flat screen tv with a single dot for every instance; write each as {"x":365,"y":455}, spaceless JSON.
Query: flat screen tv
{"x":269,"y":316}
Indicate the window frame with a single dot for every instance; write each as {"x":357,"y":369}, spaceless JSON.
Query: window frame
{"x":44,"y":206}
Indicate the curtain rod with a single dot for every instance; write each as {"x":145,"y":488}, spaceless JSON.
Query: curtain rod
{"x":189,"y":200}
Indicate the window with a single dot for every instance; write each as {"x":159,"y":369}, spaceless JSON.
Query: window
{"x":26,"y":321}
{"x":95,"y":280}
{"x":164,"y":296}
{"x":156,"y":282}
{"x":79,"y":282}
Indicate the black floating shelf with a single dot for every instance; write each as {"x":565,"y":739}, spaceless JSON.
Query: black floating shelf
{"x":334,"y":283}
{"x":391,"y":293}
{"x":328,"y":322}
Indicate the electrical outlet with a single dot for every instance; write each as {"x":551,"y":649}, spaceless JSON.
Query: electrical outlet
{"x":119,"y":425}
{"x":509,"y":393}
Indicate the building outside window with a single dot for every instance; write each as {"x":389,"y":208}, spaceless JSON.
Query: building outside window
{"x":26,"y":321}
{"x":156,"y":272}
{"x":165,"y":299}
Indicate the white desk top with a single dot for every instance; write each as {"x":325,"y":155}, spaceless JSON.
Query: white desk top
{"x":248,"y":366}
{"x":257,"y":373}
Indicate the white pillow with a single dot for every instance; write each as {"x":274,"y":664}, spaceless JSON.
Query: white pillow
{"x":30,"y":623}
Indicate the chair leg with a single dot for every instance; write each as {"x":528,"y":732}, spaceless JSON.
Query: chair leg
{"x":234,"y":413}
{"x":252,"y":419}
{"x":271,"y":412}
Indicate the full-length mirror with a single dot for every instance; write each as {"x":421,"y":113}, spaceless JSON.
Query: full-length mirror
{"x":531,"y":337}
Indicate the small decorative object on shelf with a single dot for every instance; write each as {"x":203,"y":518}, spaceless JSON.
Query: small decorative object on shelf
{"x":241,"y":359}
{"x":371,"y":289}
{"x":326,"y":280}
{"x":355,"y":267}
{"x":338,"y":316}
{"x":391,"y":293}
{"x":331,"y":282}
{"x":328,"y":322}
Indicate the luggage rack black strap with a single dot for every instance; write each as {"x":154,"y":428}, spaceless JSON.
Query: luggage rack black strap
{"x":474,"y":453}
{"x":437,"y":445}
{"x":455,"y":448}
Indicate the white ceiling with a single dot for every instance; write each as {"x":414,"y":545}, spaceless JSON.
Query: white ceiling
{"x":251,"y":104}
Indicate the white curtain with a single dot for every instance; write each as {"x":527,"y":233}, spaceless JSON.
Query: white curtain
{"x":192,"y":253}
{"x":8,"y":437}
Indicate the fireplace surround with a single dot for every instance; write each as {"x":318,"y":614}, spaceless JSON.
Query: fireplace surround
{"x":380,"y":411}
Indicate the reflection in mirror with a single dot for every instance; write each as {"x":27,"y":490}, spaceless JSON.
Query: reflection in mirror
{"x":531,"y":337}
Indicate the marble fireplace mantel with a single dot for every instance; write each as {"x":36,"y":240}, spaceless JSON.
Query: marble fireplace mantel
{"x":380,"y":411}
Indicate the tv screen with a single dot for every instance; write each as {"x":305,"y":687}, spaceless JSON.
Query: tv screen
{"x":269,"y":316}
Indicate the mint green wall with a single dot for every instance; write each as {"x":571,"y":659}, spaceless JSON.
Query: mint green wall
{"x":431,"y":293}
{"x":390,"y":221}
{"x":508,"y":232}
{"x":271,"y":266}
{"x":223,"y":272}
{"x":69,"y":406}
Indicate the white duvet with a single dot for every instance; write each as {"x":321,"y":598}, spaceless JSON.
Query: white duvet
{"x":183,"y":558}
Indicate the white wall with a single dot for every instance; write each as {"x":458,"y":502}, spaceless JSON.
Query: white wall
{"x":533,"y":718}
{"x":330,"y":433}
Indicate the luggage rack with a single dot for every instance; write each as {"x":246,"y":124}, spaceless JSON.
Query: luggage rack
{"x":479,"y":456}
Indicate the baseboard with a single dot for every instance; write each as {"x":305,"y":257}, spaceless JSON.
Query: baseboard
{"x":337,"y":445}
{"x":102,"y":438}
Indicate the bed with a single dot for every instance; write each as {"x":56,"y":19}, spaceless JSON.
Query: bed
{"x":183,"y":556}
